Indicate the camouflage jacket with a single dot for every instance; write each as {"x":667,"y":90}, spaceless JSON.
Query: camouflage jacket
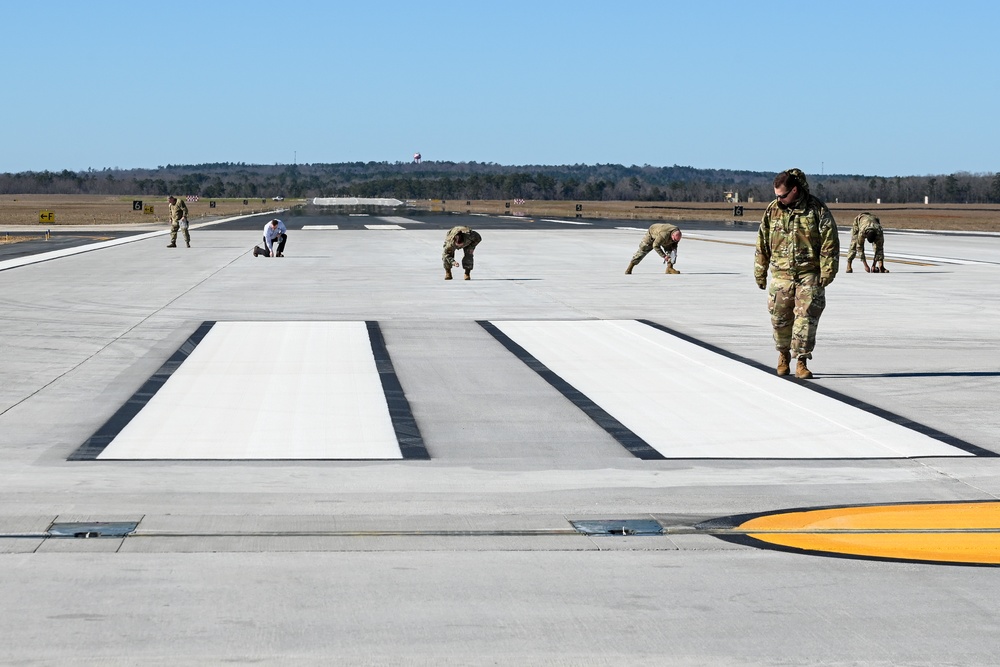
{"x":662,"y":243}
{"x":449,"y":241}
{"x":796,"y":239}
{"x":178,"y":210}
{"x":862,"y":224}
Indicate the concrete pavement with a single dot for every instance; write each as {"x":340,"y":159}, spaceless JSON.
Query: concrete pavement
{"x":471,"y":557}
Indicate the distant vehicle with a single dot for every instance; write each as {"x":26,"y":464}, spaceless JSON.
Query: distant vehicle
{"x":278,"y":198}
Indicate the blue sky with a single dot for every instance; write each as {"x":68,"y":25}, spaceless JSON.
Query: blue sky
{"x":875,"y":88}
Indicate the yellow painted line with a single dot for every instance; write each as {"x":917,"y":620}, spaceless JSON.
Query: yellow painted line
{"x":940,"y":532}
{"x":972,"y":548}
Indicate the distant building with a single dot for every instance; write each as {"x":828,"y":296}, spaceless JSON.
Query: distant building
{"x":731,"y":197}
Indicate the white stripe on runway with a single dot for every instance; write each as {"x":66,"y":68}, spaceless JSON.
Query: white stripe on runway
{"x":686,"y":401}
{"x":928,"y":258}
{"x":400,"y":220}
{"x":320,"y":226}
{"x":268,"y":390}
{"x":566,"y":222}
{"x":384,"y":227}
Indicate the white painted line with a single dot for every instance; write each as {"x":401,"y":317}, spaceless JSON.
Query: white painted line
{"x":357,"y":215}
{"x":936,"y":260}
{"x":689,"y":402}
{"x":67,"y":252}
{"x":399,"y":220}
{"x":636,"y":229}
{"x":320,"y":226}
{"x":566,"y":222}
{"x":384,"y":227}
{"x":268,"y":390}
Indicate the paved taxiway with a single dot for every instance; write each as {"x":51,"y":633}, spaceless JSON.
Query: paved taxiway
{"x":470,"y":556}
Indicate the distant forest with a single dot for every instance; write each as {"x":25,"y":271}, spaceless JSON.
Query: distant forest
{"x":475,"y":180}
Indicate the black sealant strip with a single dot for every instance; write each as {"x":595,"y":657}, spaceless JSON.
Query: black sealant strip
{"x":411,"y":444}
{"x":629,"y":440}
{"x":843,"y":398}
{"x":92,"y":448}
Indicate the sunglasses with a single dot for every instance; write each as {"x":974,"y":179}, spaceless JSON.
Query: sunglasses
{"x":784,"y":195}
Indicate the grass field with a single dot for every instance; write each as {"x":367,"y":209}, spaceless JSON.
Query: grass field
{"x":71,"y":210}
{"x":115,"y":210}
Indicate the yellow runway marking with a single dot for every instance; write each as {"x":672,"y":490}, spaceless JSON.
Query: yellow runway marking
{"x":934,"y":532}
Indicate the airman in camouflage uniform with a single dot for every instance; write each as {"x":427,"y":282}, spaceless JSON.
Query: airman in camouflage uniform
{"x":798,"y":242}
{"x":178,"y":220}
{"x":866,"y":227}
{"x":459,"y":237}
{"x":663,"y":238}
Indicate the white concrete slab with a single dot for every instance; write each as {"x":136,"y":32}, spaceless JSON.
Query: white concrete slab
{"x":689,"y":402}
{"x":320,"y":226}
{"x":384,"y":227}
{"x":268,"y":390}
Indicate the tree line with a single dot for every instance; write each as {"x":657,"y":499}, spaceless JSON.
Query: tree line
{"x":474,"y":180}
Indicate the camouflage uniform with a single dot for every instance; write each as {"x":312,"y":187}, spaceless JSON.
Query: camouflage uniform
{"x":799,"y":244}
{"x":657,"y":238}
{"x":862,"y":225}
{"x":178,"y":211}
{"x":472,"y":240}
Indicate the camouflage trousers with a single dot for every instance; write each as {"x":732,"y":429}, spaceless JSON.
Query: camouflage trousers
{"x":795,"y":305}
{"x":449,"y":256}
{"x":178,"y":225}
{"x":645,"y":246}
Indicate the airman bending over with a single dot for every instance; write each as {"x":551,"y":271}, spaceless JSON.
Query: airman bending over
{"x":663,"y":238}
{"x":866,"y":227}
{"x":467,"y":240}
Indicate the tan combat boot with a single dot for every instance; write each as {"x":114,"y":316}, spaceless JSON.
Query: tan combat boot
{"x":628,"y":271}
{"x":784,"y":359}
{"x":849,"y":269}
{"x":468,"y":275}
{"x":801,"y":372}
{"x":671,"y":269}
{"x":447,"y":274}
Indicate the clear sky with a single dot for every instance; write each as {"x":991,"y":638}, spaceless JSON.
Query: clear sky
{"x":849,"y":87}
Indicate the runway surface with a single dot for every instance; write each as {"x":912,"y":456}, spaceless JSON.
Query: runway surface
{"x":337,"y":456}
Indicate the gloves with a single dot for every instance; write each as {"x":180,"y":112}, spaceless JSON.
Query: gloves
{"x":825,"y":280}
{"x":762,"y":283}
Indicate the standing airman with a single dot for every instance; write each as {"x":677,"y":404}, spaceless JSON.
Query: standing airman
{"x":797,"y":241}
